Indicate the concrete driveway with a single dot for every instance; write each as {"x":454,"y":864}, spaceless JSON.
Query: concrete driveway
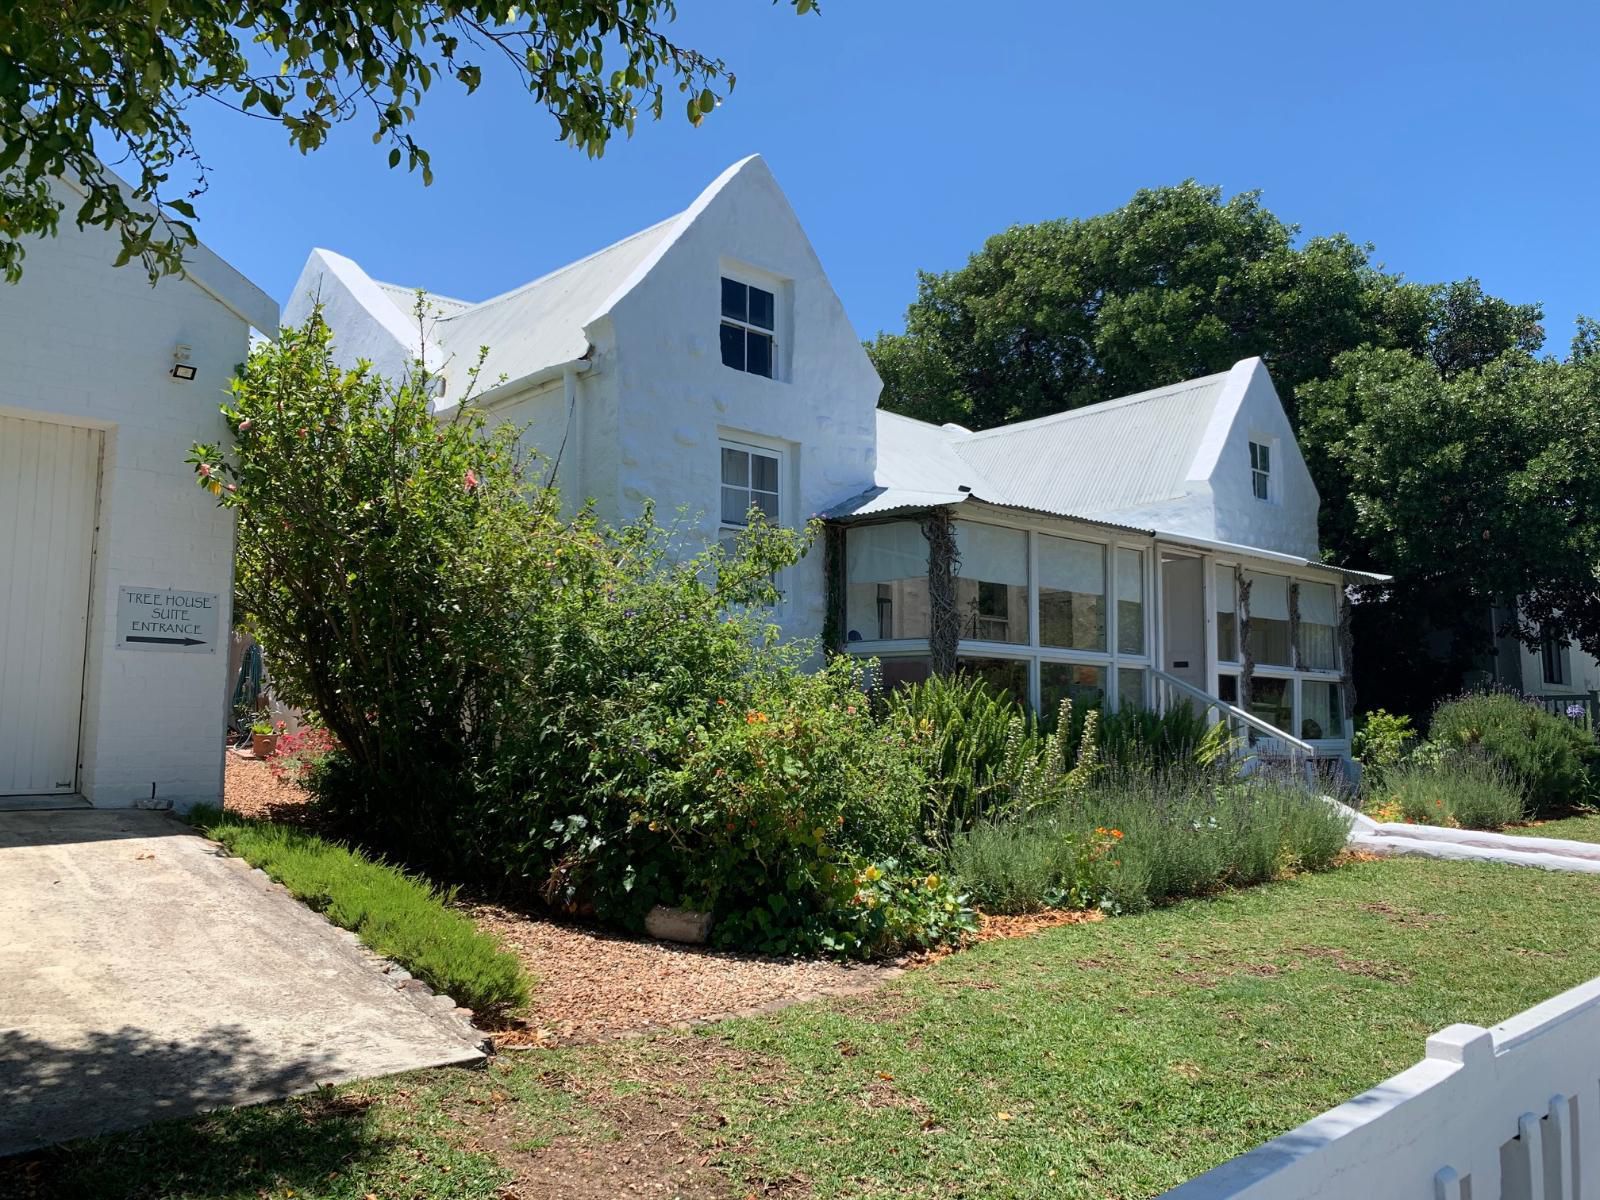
{"x":144,"y":974}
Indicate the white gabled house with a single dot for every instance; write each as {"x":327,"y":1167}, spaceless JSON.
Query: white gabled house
{"x":1150,"y":547}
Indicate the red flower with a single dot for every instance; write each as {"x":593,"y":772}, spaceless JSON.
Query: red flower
{"x":471,"y":481}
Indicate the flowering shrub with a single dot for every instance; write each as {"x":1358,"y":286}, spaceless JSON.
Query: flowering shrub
{"x":1550,"y":757}
{"x":300,"y":753}
{"x":537,"y":702}
{"x":1461,"y":790}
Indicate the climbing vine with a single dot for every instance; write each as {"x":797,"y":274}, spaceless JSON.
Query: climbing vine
{"x":944,"y":561}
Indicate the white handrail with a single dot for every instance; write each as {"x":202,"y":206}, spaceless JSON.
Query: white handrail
{"x":1235,"y":712}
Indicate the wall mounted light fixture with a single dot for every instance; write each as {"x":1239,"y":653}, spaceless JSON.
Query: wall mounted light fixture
{"x":181,"y":367}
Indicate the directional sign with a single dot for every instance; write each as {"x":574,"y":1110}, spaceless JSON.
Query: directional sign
{"x":164,"y":619}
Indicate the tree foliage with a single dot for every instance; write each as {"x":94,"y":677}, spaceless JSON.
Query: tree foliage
{"x":1175,"y":284}
{"x":123,"y":72}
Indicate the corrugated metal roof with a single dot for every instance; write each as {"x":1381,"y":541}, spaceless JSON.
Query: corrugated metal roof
{"x":1084,"y":465}
{"x":405,"y":299}
{"x":1104,"y":458}
{"x":541,"y":324}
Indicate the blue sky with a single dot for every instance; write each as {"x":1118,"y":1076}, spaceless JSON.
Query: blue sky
{"x":1458,"y":138}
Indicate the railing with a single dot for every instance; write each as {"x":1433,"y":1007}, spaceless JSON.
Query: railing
{"x":1505,"y":1112}
{"x":1279,"y":743}
{"x":1563,"y":704}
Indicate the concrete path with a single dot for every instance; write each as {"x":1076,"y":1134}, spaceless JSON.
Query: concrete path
{"x":144,"y":974}
{"x":1472,"y":845}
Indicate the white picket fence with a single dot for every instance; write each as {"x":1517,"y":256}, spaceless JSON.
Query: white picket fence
{"x":1509,"y":1113}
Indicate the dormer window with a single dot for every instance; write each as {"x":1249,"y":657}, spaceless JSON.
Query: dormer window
{"x":1261,"y":470}
{"x":749,"y":318}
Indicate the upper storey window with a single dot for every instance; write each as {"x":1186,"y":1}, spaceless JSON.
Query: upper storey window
{"x":749,"y":319}
{"x":1260,"y":470}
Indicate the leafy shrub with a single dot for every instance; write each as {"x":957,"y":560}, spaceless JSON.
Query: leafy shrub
{"x":1462,"y":790}
{"x":397,"y":915}
{"x":964,"y":729}
{"x":1133,"y":735}
{"x":1380,"y":743}
{"x":1549,"y":756}
{"x":539,"y":702}
{"x":1177,"y":833}
{"x":300,"y":753}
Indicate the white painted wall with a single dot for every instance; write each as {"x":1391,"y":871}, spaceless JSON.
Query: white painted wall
{"x":660,"y":361}
{"x":91,"y":345}
{"x":1507,"y":1111}
{"x":366,"y":322}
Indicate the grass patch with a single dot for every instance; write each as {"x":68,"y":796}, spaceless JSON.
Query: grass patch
{"x":1112,"y":1059}
{"x":397,"y":915}
{"x":1579,"y":827}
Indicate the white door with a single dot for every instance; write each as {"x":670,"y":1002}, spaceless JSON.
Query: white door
{"x":49,"y":476}
{"x":1183,"y":619}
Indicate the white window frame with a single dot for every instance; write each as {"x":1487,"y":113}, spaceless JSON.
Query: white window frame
{"x":747,"y":327}
{"x":1261,"y":485}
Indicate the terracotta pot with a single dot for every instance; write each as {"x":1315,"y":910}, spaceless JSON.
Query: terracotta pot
{"x":263,"y":745}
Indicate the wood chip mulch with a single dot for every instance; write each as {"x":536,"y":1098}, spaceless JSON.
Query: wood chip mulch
{"x":592,"y":985}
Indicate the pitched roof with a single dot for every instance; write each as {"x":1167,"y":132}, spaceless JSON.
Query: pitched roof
{"x":1056,"y":464}
{"x":1091,"y":464}
{"x":1061,"y":463}
{"x":541,"y":324}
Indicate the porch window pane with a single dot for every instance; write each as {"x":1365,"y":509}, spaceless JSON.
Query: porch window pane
{"x":1322,"y":714}
{"x":1085,"y":686}
{"x":992,"y":588}
{"x":1072,"y":594}
{"x":1272,"y":700}
{"x":1228,"y":688}
{"x":1227,"y":616}
{"x":1130,"y":601}
{"x":900,"y":672}
{"x":1002,"y":674}
{"x":1269,"y":619}
{"x":1319,"y":622}
{"x":886,"y":582}
{"x":1130,"y":688}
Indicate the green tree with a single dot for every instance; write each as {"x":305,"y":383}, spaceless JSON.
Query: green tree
{"x":123,"y":72}
{"x":1470,"y":486}
{"x":1176,"y":283}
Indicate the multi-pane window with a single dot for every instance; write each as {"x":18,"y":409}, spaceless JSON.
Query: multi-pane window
{"x":992,"y":588}
{"x":749,"y":320}
{"x":1072,"y":593}
{"x":749,"y":481}
{"x":1261,"y":470}
{"x":1319,"y":627}
{"x":1553,"y":654}
{"x":1269,"y":619}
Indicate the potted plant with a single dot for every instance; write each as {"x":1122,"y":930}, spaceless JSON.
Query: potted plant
{"x":264,"y":737}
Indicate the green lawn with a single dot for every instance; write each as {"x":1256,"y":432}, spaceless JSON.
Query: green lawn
{"x":1585,"y":827}
{"x":1106,"y":1060}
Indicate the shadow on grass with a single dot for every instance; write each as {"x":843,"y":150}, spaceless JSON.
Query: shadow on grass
{"x":127,"y":1078}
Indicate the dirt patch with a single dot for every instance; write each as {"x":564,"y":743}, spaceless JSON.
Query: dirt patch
{"x":650,"y":1130}
{"x":593,"y":985}
{"x":1342,"y":959}
{"x":1403,"y":916}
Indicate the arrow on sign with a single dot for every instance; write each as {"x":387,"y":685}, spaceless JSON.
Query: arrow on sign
{"x":167,"y":641}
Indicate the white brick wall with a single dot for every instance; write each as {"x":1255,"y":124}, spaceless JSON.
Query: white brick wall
{"x":86,"y":344}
